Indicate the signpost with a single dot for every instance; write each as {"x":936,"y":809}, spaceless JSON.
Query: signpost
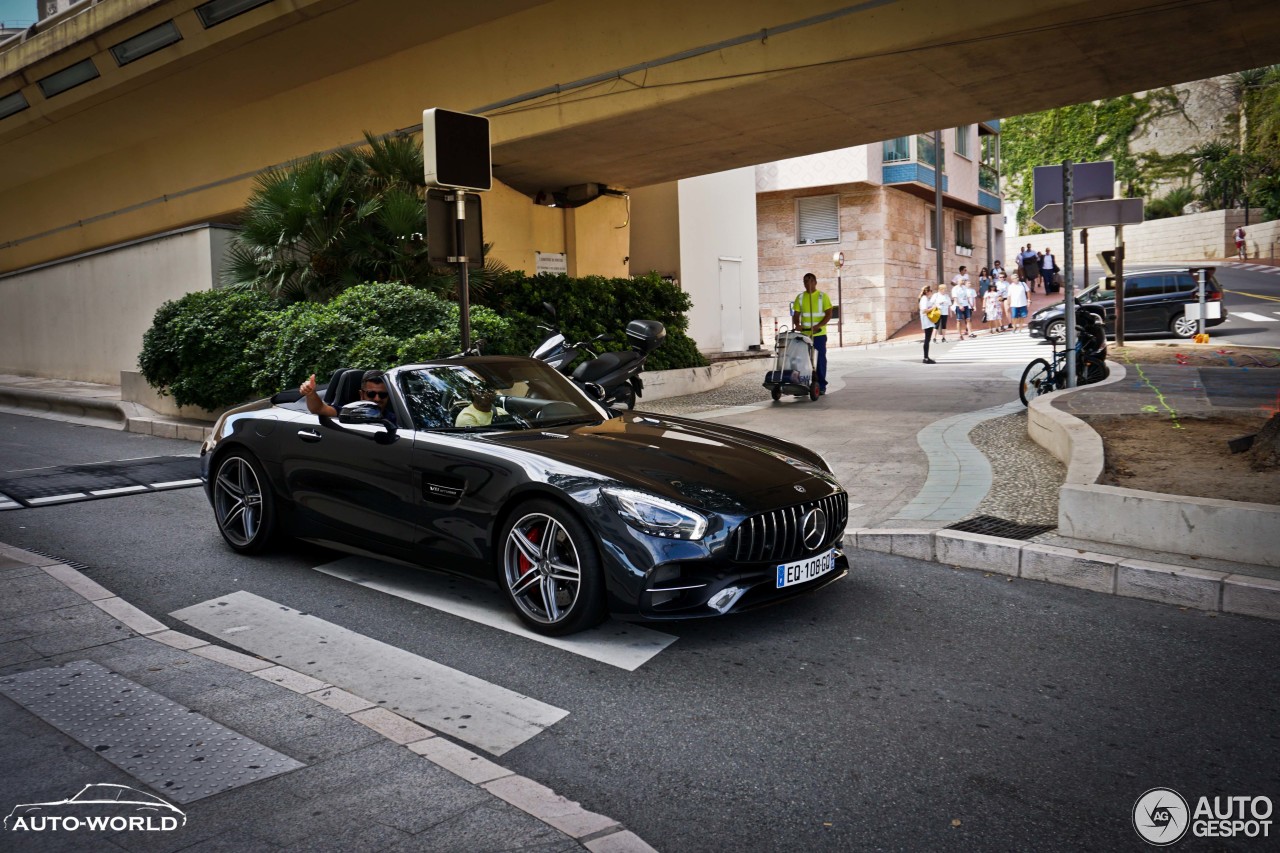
{"x":1081,"y":194}
{"x":456,"y":156}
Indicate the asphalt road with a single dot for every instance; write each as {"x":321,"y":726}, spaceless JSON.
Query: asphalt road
{"x":909,"y":706}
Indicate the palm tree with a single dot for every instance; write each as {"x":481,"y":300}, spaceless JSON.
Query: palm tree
{"x":322,"y":224}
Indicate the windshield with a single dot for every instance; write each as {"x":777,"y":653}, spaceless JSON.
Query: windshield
{"x":483,"y":394}
{"x":1095,"y":291}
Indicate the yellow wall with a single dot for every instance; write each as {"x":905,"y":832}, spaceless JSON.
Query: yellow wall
{"x":596,"y":237}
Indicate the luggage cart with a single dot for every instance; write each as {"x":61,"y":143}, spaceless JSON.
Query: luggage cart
{"x":794,"y":371}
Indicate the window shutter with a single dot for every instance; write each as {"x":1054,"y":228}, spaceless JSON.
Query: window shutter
{"x":818,"y":219}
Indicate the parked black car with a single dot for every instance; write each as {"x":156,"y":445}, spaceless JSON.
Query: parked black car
{"x":1154,"y":301}
{"x":573,"y":509}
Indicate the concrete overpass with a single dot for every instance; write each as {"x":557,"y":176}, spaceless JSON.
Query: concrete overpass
{"x":578,"y":90}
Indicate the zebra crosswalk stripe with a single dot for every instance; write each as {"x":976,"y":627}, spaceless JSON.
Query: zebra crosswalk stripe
{"x":1255,"y":318}
{"x":1003,"y":348}
{"x":614,"y":643}
{"x":470,"y":709}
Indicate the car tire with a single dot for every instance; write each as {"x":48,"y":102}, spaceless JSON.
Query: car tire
{"x":1056,"y":331}
{"x":549,"y":569}
{"x":243,"y":504}
{"x":1033,"y":381}
{"x":1183,"y":327}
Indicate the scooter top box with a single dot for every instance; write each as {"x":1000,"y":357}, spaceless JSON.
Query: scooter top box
{"x":646,"y":335}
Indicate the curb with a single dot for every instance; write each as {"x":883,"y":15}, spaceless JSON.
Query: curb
{"x":596,"y":832}
{"x":1200,"y":589}
{"x":1206,"y":527}
{"x":100,"y":412}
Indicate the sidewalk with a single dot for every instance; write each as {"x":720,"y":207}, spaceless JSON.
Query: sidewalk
{"x":254,"y":756}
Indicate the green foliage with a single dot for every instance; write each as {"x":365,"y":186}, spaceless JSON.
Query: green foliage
{"x":361,"y":327}
{"x":1171,"y":204}
{"x":202,"y":348}
{"x":324,"y":224}
{"x":1082,"y":133}
{"x":222,"y":347}
{"x":594,"y":305}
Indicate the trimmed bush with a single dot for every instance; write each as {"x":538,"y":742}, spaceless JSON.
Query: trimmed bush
{"x":203,"y":348}
{"x":222,"y":347}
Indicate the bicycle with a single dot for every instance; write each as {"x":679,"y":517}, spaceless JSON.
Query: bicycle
{"x":1042,"y":377}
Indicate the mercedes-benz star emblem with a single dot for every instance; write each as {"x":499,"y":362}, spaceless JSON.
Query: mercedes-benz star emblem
{"x":799,"y":489}
{"x":814,"y":528}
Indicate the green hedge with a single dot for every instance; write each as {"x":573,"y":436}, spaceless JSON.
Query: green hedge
{"x":222,"y":347}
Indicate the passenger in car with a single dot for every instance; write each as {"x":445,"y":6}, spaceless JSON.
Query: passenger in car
{"x":373,"y":388}
{"x":481,"y":410}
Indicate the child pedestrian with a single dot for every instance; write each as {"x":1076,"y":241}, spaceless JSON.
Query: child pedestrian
{"x":991,"y":311}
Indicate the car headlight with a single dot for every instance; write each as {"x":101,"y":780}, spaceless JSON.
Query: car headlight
{"x":657,"y":516}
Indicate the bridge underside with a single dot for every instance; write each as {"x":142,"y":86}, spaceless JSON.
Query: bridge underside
{"x":578,"y":91}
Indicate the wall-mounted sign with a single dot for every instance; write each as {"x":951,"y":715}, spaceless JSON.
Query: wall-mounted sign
{"x":556,"y":263}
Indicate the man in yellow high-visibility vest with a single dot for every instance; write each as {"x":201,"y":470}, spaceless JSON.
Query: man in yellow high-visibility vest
{"x":809,"y":314}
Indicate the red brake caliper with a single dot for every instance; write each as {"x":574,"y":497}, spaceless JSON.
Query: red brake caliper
{"x":523,"y":562}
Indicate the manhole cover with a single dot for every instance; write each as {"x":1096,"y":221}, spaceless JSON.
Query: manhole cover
{"x":989,"y":525}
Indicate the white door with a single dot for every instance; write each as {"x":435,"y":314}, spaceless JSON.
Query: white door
{"x":732,"y":337}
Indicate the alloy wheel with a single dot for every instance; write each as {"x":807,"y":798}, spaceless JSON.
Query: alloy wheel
{"x":237,"y":501}
{"x":542,"y":568}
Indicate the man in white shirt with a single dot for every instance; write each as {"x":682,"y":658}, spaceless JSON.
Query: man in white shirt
{"x":962,"y":296}
{"x":1019,"y":302}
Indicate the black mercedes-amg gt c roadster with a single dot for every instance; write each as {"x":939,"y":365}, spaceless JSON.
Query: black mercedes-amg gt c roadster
{"x":575,"y":510}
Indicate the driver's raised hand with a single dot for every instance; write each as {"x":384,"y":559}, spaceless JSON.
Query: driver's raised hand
{"x":308,"y":386}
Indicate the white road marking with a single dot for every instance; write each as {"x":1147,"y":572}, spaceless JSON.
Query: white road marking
{"x":56,"y":498}
{"x":1003,"y":347}
{"x":1249,"y":315}
{"x":615,"y":643}
{"x":174,"y":484}
{"x":485,"y":715}
{"x":120,"y":491}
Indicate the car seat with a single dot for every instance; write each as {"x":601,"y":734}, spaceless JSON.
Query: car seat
{"x":346,"y":388}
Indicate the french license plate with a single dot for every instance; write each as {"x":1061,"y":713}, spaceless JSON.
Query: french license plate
{"x":800,"y":571}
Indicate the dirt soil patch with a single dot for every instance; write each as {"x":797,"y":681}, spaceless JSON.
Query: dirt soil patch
{"x":1150,"y":452}
{"x":1196,"y":355}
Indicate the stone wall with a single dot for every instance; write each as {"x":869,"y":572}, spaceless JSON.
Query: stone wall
{"x":1198,"y":236}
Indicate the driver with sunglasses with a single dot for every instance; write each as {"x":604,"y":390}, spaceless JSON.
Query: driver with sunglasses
{"x":373,"y":388}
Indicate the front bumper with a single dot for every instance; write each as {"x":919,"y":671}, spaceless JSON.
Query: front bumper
{"x":700,"y":590}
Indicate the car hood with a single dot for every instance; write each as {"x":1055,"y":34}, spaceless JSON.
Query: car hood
{"x":710,"y":466}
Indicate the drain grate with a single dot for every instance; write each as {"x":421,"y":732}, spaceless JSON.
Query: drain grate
{"x":990,"y":525}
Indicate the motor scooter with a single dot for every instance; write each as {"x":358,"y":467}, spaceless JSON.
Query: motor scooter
{"x":618,"y":373}
{"x":611,"y":377}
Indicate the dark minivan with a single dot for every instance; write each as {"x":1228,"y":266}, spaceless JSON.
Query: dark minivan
{"x":1154,"y":301}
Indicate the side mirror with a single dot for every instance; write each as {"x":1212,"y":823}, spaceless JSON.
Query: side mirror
{"x":360,"y":412}
{"x":549,"y":309}
{"x":364,"y":412}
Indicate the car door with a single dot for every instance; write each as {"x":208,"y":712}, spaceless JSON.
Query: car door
{"x":1144,"y":303}
{"x":350,"y":482}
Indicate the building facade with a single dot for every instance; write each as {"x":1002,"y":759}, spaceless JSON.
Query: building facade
{"x":873,"y":207}
{"x":870,"y":205}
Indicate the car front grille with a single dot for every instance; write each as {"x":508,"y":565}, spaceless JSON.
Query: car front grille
{"x":778,"y":536}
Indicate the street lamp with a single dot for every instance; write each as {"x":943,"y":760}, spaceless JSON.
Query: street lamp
{"x":838,"y":260}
